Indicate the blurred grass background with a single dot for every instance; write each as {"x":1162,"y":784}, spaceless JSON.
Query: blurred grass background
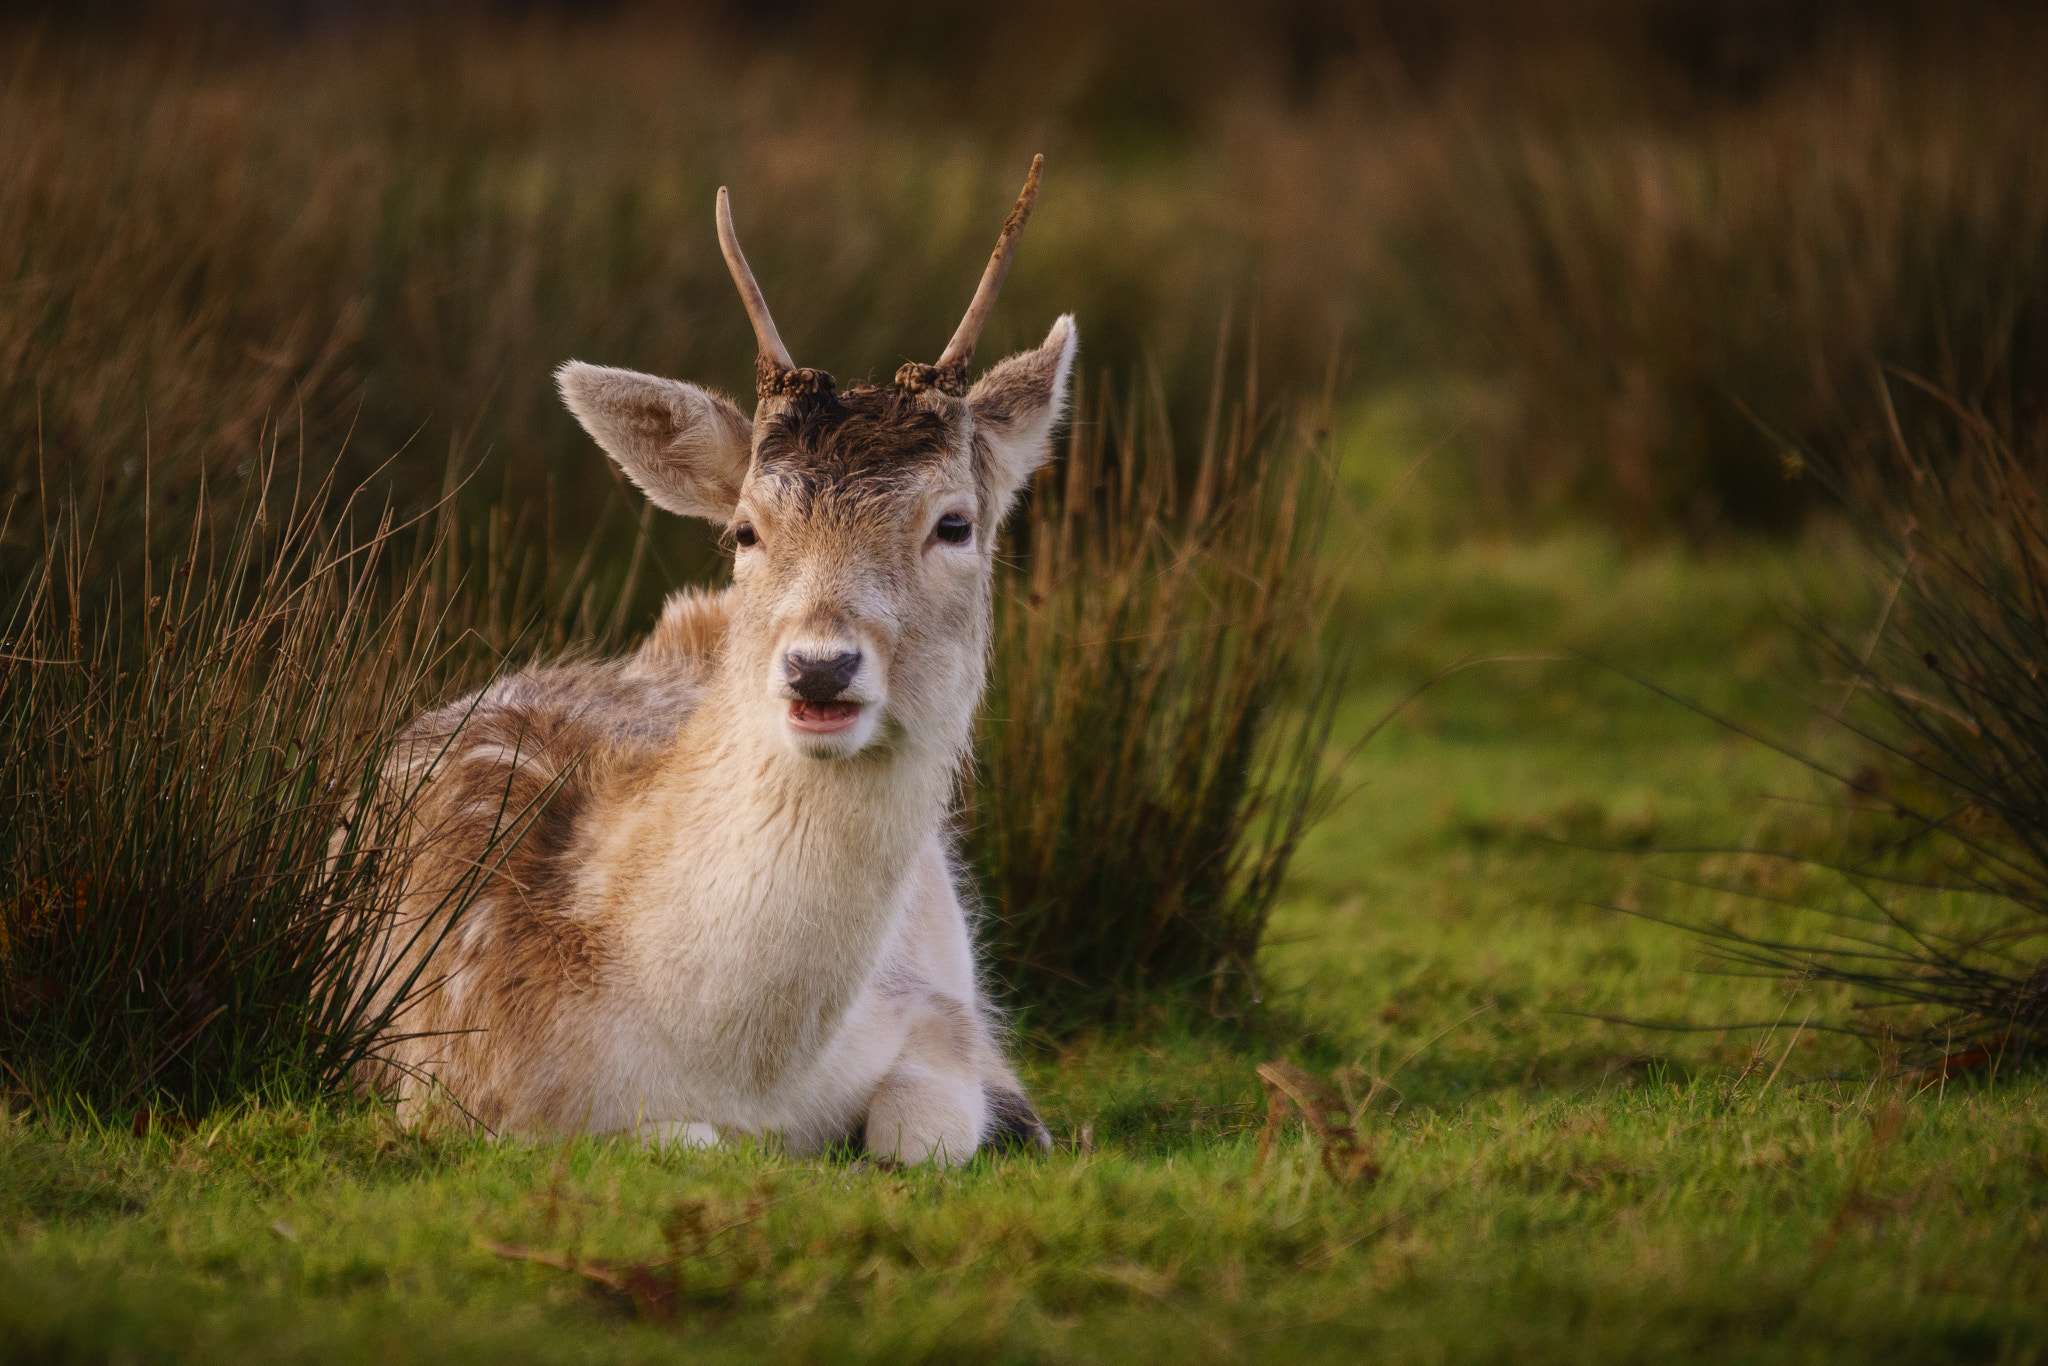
{"x":1603,"y":246}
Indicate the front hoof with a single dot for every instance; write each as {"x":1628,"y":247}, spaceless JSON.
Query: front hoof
{"x":914,"y":1125}
{"x":679,"y":1133}
{"x":1014,"y":1125}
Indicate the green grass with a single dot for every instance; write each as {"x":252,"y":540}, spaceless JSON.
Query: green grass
{"x":1692,"y":1220}
{"x":1555,"y":1188}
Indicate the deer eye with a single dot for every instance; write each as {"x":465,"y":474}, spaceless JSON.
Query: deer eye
{"x":953,"y":529}
{"x":744,"y":535}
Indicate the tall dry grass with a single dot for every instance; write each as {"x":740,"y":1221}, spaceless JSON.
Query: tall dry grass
{"x":180,"y":925}
{"x":1152,"y":748}
{"x":1672,"y":311}
{"x":1929,"y":899}
{"x":398,"y":226}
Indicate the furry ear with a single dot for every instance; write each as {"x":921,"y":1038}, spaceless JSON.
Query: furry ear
{"x":1017,"y":404}
{"x":687,"y":448}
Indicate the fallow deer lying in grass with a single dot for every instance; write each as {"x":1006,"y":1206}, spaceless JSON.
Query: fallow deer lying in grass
{"x":718,"y":894}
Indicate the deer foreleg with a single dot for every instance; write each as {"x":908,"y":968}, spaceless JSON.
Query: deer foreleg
{"x":931,"y":1106}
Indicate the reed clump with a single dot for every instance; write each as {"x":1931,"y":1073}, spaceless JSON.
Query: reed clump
{"x":184,"y":913}
{"x":1152,"y":749}
{"x":1930,"y":901}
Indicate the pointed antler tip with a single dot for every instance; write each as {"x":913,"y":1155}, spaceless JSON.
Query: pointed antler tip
{"x":959,"y":352}
{"x":771,"y":348}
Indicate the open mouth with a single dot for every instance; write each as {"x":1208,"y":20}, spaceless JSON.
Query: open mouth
{"x":823,"y":718}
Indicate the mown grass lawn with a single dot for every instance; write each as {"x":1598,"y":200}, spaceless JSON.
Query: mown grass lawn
{"x":1555,"y":1187}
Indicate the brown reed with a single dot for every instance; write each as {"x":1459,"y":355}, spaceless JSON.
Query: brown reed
{"x":1152,"y":749}
{"x":183,"y":911}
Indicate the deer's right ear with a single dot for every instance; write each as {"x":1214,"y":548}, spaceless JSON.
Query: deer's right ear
{"x":687,"y":448}
{"x":1018,"y":403}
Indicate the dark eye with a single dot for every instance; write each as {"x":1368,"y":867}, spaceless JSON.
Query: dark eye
{"x":953,"y":529}
{"x":744,"y":535}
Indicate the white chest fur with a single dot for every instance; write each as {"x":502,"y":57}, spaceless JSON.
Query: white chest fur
{"x":744,"y":970}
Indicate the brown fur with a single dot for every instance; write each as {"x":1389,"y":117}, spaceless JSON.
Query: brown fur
{"x":508,"y":779}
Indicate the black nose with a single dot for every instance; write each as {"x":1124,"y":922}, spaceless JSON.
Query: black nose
{"x":820,"y":680}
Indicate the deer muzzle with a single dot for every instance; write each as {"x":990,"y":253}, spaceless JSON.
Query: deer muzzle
{"x":818,"y":682}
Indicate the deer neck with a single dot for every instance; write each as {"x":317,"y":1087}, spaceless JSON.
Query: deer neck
{"x":770,"y":881}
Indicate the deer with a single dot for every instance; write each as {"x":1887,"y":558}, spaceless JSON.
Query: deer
{"x":714,"y":889}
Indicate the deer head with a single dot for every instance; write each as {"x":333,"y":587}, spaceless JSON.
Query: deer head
{"x":863,"y":524}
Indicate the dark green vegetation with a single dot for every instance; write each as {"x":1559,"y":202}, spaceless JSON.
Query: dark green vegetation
{"x":1565,"y":249}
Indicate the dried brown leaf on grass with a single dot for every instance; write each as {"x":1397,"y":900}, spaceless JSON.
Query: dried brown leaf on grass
{"x":654,"y":1287}
{"x":659,"y":1288}
{"x":1966,"y":1060}
{"x":146,"y":1120}
{"x":1346,"y":1155}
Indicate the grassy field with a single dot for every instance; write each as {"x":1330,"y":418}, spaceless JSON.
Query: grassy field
{"x":1555,"y":1188}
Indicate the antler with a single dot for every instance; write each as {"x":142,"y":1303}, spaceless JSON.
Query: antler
{"x":960,"y":351}
{"x":777,"y":375}
{"x":770,"y":341}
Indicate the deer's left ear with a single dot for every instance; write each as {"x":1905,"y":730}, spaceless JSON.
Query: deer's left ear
{"x":1016,"y":406}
